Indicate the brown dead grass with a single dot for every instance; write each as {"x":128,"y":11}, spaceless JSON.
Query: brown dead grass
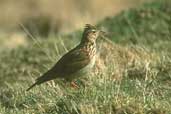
{"x":131,"y":61}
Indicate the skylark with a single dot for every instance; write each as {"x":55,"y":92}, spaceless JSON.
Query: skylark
{"x":76,"y":62}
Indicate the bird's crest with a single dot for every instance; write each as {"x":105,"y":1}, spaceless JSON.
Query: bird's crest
{"x":89,"y":27}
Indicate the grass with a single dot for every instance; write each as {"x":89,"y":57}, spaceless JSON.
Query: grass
{"x":131,"y":76}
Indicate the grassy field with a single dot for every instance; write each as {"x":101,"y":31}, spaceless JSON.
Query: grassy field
{"x":132,"y":75}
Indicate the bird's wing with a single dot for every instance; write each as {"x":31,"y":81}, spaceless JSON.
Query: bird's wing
{"x":72,"y":62}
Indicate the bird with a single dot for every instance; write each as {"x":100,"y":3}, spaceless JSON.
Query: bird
{"x":75,"y":63}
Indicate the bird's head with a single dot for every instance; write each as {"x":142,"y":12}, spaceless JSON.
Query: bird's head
{"x":90,"y":33}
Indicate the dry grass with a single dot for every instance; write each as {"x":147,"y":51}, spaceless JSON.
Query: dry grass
{"x":124,"y":82}
{"x":135,"y":61}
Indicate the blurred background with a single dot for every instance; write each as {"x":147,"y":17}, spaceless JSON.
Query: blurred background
{"x":58,"y":15}
{"x":43,"y":17}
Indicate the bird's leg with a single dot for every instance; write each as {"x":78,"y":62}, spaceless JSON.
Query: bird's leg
{"x":74,"y":85}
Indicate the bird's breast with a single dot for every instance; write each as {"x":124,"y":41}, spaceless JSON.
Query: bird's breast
{"x":90,"y":49}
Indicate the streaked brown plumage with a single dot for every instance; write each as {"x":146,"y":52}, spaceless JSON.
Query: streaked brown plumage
{"x":77,"y":61}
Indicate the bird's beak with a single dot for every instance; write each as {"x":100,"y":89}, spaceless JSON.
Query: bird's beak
{"x":103,"y":34}
{"x":106,"y":36}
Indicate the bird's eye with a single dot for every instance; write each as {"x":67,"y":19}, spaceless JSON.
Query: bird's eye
{"x":93,"y":31}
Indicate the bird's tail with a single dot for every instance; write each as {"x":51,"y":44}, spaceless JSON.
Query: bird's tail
{"x":46,"y":77}
{"x":31,"y":86}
